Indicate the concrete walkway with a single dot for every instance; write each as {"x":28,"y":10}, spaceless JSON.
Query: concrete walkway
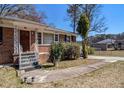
{"x":42,"y":76}
{"x":107,"y":58}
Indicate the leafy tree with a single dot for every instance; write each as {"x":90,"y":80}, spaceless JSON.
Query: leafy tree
{"x":83,"y":28}
{"x":25,"y":11}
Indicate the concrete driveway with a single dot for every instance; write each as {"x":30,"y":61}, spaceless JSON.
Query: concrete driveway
{"x":107,"y":58}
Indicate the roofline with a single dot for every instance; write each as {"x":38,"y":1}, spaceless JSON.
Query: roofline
{"x":36,"y":23}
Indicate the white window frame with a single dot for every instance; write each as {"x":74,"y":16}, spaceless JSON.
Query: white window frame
{"x":55,"y":37}
{"x":38,"y":39}
{"x":43,"y":38}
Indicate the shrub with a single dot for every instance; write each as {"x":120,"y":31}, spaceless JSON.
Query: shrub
{"x":55,"y":52}
{"x":64,"y":51}
{"x":91,"y":50}
{"x":70,"y":51}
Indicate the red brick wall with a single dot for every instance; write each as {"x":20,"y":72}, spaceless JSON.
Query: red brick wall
{"x":7,"y":48}
{"x":43,"y":58}
{"x":43,"y":50}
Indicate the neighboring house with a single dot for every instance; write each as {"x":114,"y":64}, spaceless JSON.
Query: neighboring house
{"x":107,"y":44}
{"x":119,"y":44}
{"x":18,"y":35}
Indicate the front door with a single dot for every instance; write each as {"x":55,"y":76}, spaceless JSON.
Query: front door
{"x":25,"y":41}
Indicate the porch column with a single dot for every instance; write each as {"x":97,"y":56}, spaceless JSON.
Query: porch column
{"x":36,"y":43}
{"x":16,"y":41}
{"x":16,"y":45}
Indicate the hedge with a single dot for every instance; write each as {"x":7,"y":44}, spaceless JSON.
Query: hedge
{"x":64,"y":51}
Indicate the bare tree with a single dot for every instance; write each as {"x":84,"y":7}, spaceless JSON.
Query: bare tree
{"x":97,"y":21}
{"x":73,"y":13}
{"x":22,"y":11}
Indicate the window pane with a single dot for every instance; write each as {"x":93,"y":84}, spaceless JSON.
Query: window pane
{"x":48,"y":38}
{"x":39,"y":38}
{"x":56,"y":37}
{"x":1,"y":34}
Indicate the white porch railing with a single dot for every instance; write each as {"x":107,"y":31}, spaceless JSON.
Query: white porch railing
{"x":28,"y":60}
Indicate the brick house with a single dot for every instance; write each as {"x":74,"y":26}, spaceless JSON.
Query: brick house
{"x":22,"y":35}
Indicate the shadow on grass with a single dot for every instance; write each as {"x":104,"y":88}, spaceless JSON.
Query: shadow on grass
{"x":48,"y":66}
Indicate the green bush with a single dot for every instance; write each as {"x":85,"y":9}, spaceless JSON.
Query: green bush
{"x":91,"y":50}
{"x":70,"y":51}
{"x":64,"y":51}
{"x":56,"y":50}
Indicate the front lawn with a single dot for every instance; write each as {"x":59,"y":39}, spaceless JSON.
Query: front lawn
{"x":119,"y":53}
{"x":111,"y":75}
{"x":68,"y":63}
{"x":8,"y":78}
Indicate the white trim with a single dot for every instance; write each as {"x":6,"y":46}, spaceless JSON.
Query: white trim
{"x":42,"y":38}
{"x":30,"y":34}
{"x":44,"y":44}
{"x":58,"y":37}
{"x":55,"y":37}
{"x":41,"y":53}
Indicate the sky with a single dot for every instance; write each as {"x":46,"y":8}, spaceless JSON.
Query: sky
{"x":57,"y":15}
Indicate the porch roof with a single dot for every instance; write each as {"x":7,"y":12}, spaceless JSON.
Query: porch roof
{"x":30,"y":26}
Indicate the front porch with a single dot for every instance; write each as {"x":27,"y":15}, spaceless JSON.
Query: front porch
{"x":37,"y":43}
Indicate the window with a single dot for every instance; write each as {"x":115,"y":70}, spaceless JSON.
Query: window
{"x":56,"y":37}
{"x":65,"y":39}
{"x":1,"y":34}
{"x":48,"y":38}
{"x":39,"y":38}
{"x":68,"y":39}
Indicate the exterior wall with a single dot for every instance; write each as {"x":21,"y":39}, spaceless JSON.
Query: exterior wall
{"x":110,"y":47}
{"x":43,"y":53}
{"x":61,"y":38}
{"x":27,"y":38}
{"x":119,"y":45}
{"x":44,"y":49}
{"x":7,"y":46}
{"x":100,"y":46}
{"x":73,"y":38}
{"x":103,"y":47}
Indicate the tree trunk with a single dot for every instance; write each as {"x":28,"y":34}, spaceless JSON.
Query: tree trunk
{"x":84,"y":49}
{"x":54,"y":63}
